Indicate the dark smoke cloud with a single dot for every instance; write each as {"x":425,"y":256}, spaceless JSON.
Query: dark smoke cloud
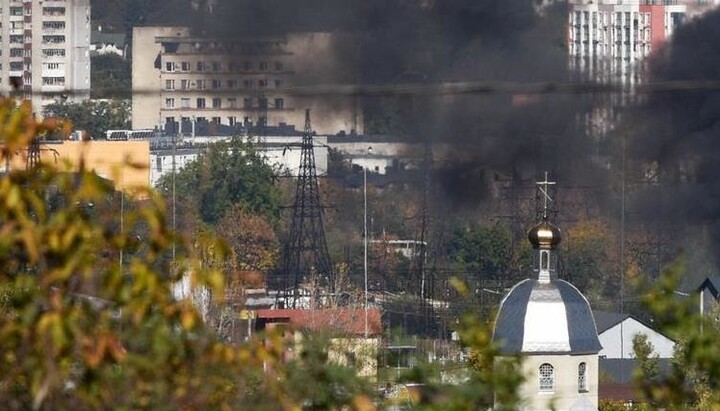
{"x":680,"y":132}
{"x":429,"y":41}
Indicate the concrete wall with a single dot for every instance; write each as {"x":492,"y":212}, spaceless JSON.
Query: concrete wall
{"x":145,"y":77}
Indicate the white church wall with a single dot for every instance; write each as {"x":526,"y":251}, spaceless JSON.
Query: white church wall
{"x":566,"y":395}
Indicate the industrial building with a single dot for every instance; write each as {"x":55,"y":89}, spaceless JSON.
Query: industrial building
{"x":44,"y":50}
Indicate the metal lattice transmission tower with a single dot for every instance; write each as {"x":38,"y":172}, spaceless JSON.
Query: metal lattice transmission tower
{"x":306,"y":254}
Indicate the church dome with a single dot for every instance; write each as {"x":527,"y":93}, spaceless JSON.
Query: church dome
{"x":539,"y":317}
{"x":544,"y":235}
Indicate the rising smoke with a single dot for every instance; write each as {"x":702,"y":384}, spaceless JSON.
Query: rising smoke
{"x":679,"y":131}
{"x":433,"y":41}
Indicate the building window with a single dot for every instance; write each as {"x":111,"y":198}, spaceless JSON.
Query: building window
{"x":215,"y":84}
{"x":247,"y":83}
{"x":170,"y":103}
{"x":16,"y":66}
{"x":200,"y":66}
{"x":16,"y":11}
{"x":185,"y":66}
{"x":18,"y":38}
{"x":53,"y":25}
{"x":217,"y":103}
{"x":279,"y":103}
{"x":546,"y":379}
{"x":52,"y":66}
{"x":215,"y":120}
{"x":278,"y":83}
{"x":232,"y":120}
{"x":232,"y":102}
{"x":17,"y":52}
{"x":185,"y":102}
{"x":582,"y":377}
{"x":201,"y":102}
{"x":53,"y":11}
{"x":169,"y":84}
{"x":231,"y":84}
{"x":263,"y":66}
{"x":53,"y":52}
{"x":278,"y":66}
{"x":247,"y":102}
{"x":200,"y":84}
{"x":262,"y":83}
{"x":183,"y":84}
{"x":53,"y":81}
{"x":49,"y":39}
{"x":215,"y":66}
{"x":169,"y":66}
{"x":247,"y":66}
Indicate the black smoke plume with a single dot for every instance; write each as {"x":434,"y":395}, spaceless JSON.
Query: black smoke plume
{"x":433,"y":41}
{"x":677,"y":134}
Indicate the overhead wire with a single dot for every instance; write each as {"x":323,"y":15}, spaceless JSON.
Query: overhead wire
{"x":437,"y":89}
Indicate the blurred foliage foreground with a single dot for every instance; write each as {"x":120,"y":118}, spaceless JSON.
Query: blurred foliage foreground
{"x":85,"y":323}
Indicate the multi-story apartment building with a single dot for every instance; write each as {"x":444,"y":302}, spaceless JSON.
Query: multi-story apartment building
{"x":608,"y":40}
{"x":44,"y":50}
{"x":184,"y":83}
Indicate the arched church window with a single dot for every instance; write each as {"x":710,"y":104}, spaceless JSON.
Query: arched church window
{"x":582,"y":377}
{"x":544,"y":260}
{"x":546,"y":378}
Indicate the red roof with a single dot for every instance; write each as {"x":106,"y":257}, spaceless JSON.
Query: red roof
{"x":616,"y":392}
{"x":336,"y":320}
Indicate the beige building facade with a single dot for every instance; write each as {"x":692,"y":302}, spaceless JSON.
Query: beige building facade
{"x":45,"y":50}
{"x":184,"y":83}
{"x":126,"y":163}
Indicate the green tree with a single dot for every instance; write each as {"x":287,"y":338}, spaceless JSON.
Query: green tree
{"x":226,"y":174}
{"x":694,"y":380}
{"x":480,"y":249}
{"x":94,"y":117}
{"x":647,"y":363}
{"x":110,"y":76}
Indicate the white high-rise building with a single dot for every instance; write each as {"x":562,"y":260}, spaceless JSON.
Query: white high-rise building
{"x":608,"y":40}
{"x":45,"y":50}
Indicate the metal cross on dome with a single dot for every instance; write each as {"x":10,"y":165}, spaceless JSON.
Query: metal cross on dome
{"x":543,"y":187}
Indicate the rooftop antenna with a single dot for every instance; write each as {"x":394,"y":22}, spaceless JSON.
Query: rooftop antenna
{"x":306,"y":251}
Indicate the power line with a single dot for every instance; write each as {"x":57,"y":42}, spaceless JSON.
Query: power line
{"x":438,"y":89}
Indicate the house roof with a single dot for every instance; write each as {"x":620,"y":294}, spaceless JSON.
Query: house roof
{"x":712,"y":284}
{"x":604,"y":320}
{"x":346,"y":321}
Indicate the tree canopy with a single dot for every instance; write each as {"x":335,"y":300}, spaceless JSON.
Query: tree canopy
{"x":93,"y":116}
{"x":226,"y":174}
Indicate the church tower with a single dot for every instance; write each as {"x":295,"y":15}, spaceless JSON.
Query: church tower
{"x":549,"y":323}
